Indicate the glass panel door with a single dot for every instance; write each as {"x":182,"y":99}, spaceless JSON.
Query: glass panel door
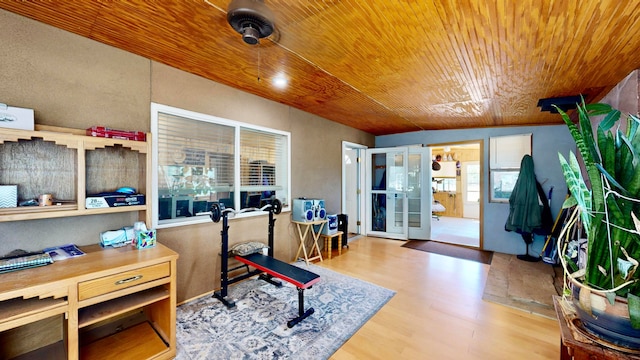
{"x":419,"y":193}
{"x":386,"y":184}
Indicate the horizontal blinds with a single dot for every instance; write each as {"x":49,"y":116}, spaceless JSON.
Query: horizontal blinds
{"x":199,"y":155}
{"x":261,"y":155}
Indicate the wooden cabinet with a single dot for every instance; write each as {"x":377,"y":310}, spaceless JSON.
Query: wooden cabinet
{"x":451,"y":201}
{"x":70,"y":165}
{"x":108,"y":304}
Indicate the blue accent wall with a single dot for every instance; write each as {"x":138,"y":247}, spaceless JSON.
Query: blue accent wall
{"x":547,"y":142}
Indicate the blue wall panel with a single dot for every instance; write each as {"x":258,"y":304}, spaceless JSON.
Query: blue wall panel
{"x":547,"y":142}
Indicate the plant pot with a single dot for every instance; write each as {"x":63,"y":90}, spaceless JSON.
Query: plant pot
{"x":604,"y":320}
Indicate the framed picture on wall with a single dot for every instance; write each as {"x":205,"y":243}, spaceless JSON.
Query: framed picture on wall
{"x":502,"y":183}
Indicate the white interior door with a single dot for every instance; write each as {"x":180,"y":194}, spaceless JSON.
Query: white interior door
{"x":386,"y":189}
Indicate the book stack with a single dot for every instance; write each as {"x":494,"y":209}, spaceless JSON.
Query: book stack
{"x":25,"y":261}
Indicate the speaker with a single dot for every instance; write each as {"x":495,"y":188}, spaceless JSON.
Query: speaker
{"x":303,"y":210}
{"x":319,"y":211}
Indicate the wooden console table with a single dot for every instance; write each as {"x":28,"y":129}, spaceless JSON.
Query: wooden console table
{"x":575,"y":343}
{"x":107,"y":304}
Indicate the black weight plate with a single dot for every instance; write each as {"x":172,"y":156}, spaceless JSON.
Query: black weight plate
{"x":216,"y":214}
{"x":277,"y":206}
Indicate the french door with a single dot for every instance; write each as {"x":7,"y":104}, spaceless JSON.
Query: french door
{"x":397,"y":205}
{"x":419,"y":193}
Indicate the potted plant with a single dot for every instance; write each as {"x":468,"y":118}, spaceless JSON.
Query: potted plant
{"x":606,"y":207}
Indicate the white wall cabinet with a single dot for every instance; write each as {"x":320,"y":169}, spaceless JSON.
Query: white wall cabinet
{"x":507,"y":151}
{"x":447,"y":169}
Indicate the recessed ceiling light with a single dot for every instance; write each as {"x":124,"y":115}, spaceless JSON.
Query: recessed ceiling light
{"x":280,"y":81}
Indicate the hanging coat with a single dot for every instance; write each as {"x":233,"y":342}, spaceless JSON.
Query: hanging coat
{"x":527,"y":204}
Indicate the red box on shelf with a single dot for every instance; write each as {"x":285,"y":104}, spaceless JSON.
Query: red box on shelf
{"x":101,"y":131}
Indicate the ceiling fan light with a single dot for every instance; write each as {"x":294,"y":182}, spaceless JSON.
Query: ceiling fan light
{"x":250,"y":35}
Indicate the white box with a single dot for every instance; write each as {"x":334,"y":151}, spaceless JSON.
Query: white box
{"x":8,"y":196}
{"x":16,"y":118}
{"x":331,"y":227}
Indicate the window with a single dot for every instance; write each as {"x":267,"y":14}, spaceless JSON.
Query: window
{"x":201,"y":159}
{"x":443,"y":184}
{"x":506,"y":153}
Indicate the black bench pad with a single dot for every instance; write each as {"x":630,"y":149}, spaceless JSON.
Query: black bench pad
{"x":299,"y":277}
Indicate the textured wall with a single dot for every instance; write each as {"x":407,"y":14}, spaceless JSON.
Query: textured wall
{"x":74,"y":82}
{"x":624,"y":96}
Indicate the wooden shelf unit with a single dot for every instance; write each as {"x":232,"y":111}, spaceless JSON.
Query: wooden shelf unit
{"x":46,"y":301}
{"x":82,"y":165}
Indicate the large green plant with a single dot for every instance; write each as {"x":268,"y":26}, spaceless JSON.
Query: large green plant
{"x":609,"y":203}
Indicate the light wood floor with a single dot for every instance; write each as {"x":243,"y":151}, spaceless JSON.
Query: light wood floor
{"x":438,"y":311}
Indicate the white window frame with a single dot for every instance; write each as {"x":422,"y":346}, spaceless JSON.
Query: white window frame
{"x":182,"y":221}
{"x":505,"y":156}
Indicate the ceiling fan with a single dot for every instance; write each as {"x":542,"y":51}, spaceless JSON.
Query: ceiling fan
{"x":251,"y":18}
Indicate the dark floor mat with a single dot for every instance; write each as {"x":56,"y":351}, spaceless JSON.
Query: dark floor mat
{"x":460,"y":252}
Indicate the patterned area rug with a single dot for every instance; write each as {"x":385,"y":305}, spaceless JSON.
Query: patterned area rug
{"x":256,"y":328}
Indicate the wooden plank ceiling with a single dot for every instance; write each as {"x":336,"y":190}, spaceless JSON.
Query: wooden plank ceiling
{"x":382,"y":66}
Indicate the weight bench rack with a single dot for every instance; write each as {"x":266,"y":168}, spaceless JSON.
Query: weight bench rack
{"x":266,"y":266}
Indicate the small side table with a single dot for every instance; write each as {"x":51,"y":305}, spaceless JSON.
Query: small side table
{"x":576,"y":346}
{"x":303,"y":231}
{"x":328,"y":239}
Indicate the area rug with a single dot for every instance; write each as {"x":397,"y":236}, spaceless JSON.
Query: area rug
{"x":460,"y":252}
{"x":528,"y":286}
{"x":256,"y":328}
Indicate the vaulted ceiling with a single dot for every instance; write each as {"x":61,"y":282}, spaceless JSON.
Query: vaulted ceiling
{"x":382,"y":66}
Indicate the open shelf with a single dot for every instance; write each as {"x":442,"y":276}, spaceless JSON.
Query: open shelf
{"x":55,"y":351}
{"x":20,"y":311}
{"x":104,"y":310}
{"x":126,"y":344}
{"x":70,"y":166}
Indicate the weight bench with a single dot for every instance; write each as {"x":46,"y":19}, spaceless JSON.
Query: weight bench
{"x":266,"y":266}
{"x":300,"y":278}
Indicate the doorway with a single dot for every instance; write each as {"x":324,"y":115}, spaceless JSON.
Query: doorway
{"x":352,"y":185}
{"x":457,"y":193}
{"x":377,"y":180}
